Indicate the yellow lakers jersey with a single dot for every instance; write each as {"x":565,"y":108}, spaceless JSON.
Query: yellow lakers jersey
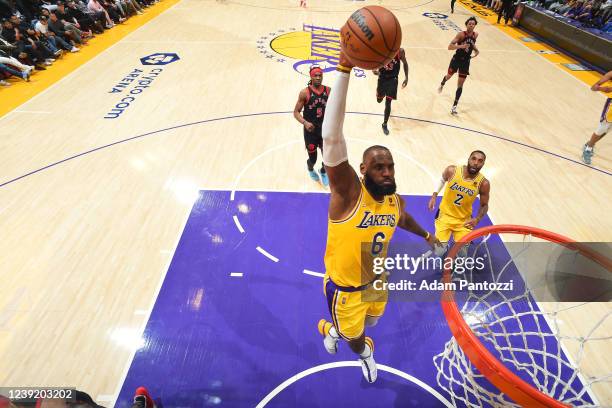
{"x":352,"y":243}
{"x":459,"y":195}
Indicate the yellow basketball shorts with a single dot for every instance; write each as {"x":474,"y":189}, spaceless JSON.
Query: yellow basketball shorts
{"x":447,"y":226}
{"x":349,"y":307}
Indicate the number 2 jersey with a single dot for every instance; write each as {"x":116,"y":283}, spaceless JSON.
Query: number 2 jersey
{"x":353,"y":242}
{"x":314,"y":109}
{"x":459,"y":195}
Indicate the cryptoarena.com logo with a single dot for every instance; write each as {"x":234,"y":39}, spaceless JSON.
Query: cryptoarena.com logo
{"x":133,"y":84}
{"x":160,"y":58}
{"x":301,"y":48}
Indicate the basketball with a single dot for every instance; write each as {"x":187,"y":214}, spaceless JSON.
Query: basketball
{"x":371,"y":37}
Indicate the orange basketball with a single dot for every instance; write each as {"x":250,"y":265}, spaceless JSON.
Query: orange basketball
{"x":371,"y":37}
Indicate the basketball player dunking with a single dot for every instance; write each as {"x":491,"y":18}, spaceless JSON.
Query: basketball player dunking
{"x":463,"y":184}
{"x":605,"y":122}
{"x":387,"y":83}
{"x":365,"y":210}
{"x":464,"y":43}
{"x":313,"y":100}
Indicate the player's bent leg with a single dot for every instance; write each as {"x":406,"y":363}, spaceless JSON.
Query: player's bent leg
{"x":445,"y":78}
{"x":588,"y":150}
{"x":330,"y":336}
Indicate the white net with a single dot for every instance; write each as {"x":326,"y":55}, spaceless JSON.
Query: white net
{"x":561,"y":348}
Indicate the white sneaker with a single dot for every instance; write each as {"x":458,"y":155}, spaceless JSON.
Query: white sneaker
{"x":4,"y":83}
{"x":454,"y":110}
{"x":75,"y":49}
{"x":368,"y":365}
{"x":440,"y":88}
{"x":368,"y":368}
{"x":330,"y":343}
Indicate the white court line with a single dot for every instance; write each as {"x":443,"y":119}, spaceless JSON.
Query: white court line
{"x":37,"y":112}
{"x":328,"y":366}
{"x":150,"y":310}
{"x":245,"y":168}
{"x":267,"y":254}
{"x":312,"y":273}
{"x":236,"y":274}
{"x":265,"y":152}
{"x":238,"y":224}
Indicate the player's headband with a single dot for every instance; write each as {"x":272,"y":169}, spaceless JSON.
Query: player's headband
{"x":315,"y":70}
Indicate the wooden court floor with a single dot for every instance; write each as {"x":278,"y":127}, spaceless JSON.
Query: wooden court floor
{"x":91,"y":208}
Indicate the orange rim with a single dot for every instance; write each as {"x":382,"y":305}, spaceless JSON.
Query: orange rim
{"x":496,"y":372}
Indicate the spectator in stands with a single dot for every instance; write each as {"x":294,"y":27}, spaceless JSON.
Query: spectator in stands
{"x":6,"y":71}
{"x":66,"y":31}
{"x":69,"y":21}
{"x":95,"y":6}
{"x":576,"y":9}
{"x":113,"y":10}
{"x":37,"y":37}
{"x":83,"y":19}
{"x":58,"y":42}
{"x":6,"y":59}
{"x":21,"y":49}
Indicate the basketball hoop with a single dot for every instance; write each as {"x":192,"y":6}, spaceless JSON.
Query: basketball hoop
{"x":496,"y":358}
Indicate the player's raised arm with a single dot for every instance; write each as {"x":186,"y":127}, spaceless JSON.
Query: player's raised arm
{"x":446,"y":175}
{"x":343,"y":181}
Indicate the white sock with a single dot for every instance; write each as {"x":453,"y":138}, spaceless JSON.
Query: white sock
{"x":333,"y":333}
{"x":588,"y":148}
{"x":367,"y":352}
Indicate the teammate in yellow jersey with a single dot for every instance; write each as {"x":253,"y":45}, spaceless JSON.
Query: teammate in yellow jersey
{"x":361,"y":211}
{"x":605,"y":122}
{"x":463,"y":184}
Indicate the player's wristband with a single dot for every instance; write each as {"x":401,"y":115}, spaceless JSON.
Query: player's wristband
{"x":342,"y":68}
{"x":427,"y":236}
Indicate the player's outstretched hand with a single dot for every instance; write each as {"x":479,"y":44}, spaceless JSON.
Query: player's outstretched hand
{"x":432,"y":204}
{"x":405,"y":83}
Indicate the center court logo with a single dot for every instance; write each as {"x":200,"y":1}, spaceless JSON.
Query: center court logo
{"x":302,"y":48}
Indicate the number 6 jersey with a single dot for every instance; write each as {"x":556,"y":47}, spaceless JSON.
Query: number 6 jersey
{"x":353,"y":242}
